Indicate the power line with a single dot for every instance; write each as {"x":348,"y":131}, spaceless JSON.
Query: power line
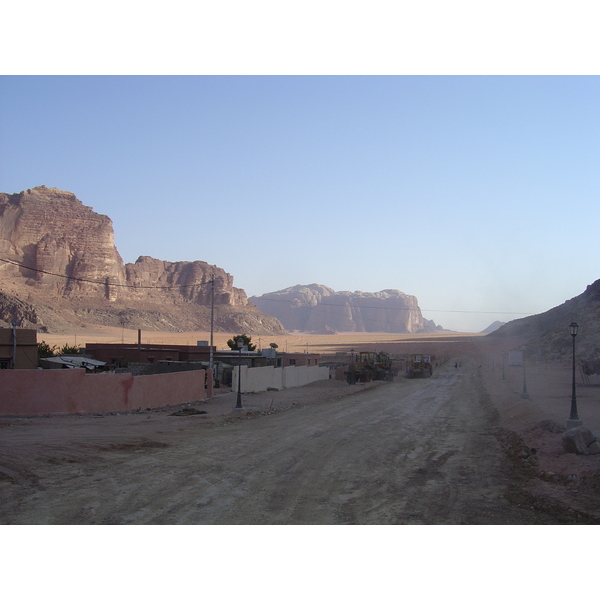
{"x":320,"y":305}
{"x":106,"y":283}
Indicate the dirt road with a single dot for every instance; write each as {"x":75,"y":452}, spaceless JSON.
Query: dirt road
{"x":409,"y":452}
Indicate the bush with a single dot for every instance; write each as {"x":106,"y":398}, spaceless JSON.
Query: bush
{"x":45,"y":350}
{"x":66,"y":349}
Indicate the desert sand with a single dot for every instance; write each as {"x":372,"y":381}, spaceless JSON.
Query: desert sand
{"x":293,"y":342}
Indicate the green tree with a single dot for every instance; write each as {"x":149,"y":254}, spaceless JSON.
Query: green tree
{"x":45,"y":350}
{"x":66,"y":349}
{"x":245,"y":338}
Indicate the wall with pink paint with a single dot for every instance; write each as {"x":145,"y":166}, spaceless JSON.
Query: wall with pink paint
{"x":73,"y":391}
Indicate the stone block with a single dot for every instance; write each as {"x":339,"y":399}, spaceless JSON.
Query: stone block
{"x":577,"y":440}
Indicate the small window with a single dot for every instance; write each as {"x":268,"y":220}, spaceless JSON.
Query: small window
{"x":292,"y":361}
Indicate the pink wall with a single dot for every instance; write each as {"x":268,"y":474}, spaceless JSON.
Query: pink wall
{"x":72,"y":391}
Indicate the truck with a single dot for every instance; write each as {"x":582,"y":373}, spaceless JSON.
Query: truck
{"x":418,"y":365}
{"x":370,"y":366}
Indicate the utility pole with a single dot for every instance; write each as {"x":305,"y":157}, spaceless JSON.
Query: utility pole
{"x":212,"y":320}
{"x":14,"y":348}
{"x":211,"y":369}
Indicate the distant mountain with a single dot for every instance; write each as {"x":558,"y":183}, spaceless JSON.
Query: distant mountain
{"x":548,"y":333}
{"x":316,"y":307}
{"x":495,"y":325}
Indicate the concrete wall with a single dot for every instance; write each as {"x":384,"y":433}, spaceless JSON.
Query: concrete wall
{"x":26,"y":348}
{"x":72,"y":391}
{"x":297,"y":376}
{"x":259,"y":379}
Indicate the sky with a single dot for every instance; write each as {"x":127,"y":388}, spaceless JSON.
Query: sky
{"x":478,"y":194}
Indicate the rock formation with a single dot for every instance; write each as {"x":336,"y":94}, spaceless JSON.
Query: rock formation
{"x":72,"y":274}
{"x":317,"y":307}
{"x":548,"y":336}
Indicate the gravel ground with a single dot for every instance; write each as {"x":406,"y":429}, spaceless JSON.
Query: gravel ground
{"x":461,"y":447}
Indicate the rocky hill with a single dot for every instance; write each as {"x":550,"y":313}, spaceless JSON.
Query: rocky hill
{"x":59,"y":267}
{"x":548,"y":333}
{"x":317,"y":308}
{"x":495,"y":325}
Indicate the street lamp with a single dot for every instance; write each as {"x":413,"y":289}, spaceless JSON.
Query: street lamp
{"x":524,"y":395}
{"x":573,"y":420}
{"x":352,"y":373}
{"x":240,"y":343}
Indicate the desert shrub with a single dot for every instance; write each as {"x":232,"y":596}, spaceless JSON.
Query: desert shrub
{"x":66,"y":349}
{"x":45,"y":350}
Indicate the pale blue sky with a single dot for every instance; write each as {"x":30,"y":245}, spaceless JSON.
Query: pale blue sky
{"x":475,"y":194}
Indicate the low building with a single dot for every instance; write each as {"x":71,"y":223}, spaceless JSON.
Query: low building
{"x":18,"y":348}
{"x":121,"y":355}
{"x":161,"y":358}
{"x":299,"y":359}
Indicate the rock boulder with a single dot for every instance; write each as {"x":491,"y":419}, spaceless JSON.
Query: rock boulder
{"x":580,"y":440}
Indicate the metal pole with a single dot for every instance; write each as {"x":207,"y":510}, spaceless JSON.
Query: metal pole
{"x":212,"y":321}
{"x":239,"y":393}
{"x":14,"y":340}
{"x":524,"y":395}
{"x":573,"y":416}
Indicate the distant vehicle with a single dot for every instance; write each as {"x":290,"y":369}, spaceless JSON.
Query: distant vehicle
{"x":371,"y":366}
{"x":419,"y":365}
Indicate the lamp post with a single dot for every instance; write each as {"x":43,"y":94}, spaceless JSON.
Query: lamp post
{"x":573,"y":420}
{"x":211,"y":365}
{"x":240,"y":343}
{"x":352,"y":373}
{"x":524,"y":395}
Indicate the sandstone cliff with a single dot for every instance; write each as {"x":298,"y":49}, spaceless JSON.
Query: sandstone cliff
{"x":72,"y":274}
{"x":317,"y":307}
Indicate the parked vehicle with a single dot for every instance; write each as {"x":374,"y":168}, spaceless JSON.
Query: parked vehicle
{"x":370,"y":366}
{"x":419,"y":365}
